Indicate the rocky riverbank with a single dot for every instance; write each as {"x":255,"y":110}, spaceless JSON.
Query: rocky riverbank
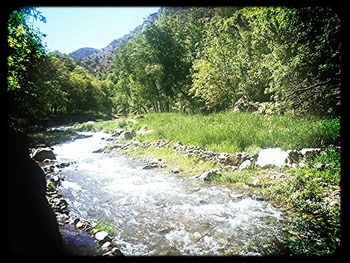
{"x":80,"y":237}
{"x":263,"y":173}
{"x":264,"y":158}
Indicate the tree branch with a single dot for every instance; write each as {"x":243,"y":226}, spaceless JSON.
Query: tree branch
{"x":310,"y":87}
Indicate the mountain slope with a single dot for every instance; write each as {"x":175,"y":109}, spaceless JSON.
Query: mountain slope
{"x":100,"y":62}
{"x":82,"y":53}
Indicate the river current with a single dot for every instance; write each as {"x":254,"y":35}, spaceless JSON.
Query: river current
{"x":159,"y":213}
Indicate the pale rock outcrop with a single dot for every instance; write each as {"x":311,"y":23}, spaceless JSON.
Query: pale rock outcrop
{"x":272,"y":157}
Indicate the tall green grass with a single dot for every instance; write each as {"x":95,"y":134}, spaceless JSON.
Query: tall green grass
{"x":231,"y":132}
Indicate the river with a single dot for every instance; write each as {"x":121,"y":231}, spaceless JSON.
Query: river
{"x":159,"y":213}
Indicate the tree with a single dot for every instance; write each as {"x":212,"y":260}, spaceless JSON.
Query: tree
{"x":25,"y":53}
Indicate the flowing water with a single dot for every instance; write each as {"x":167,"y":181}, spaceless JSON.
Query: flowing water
{"x":156,"y":213}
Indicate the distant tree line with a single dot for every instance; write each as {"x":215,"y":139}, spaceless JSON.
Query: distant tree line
{"x":190,"y":60}
{"x":43,"y":85}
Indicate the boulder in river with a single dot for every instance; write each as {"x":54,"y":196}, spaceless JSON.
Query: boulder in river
{"x":149,"y":166}
{"x":106,"y":245}
{"x":102,"y":236}
{"x":42,"y":154}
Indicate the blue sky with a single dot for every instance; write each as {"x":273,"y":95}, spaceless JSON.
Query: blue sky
{"x":71,"y":28}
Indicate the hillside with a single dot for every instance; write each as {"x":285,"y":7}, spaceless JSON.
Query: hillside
{"x":100,"y":61}
{"x":82,"y":53}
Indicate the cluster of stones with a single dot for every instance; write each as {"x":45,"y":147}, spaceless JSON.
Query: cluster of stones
{"x":46,"y":160}
{"x":265,"y":158}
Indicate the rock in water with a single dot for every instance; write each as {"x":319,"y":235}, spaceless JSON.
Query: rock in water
{"x":102,"y":236}
{"x":106,"y":245}
{"x":41,"y":154}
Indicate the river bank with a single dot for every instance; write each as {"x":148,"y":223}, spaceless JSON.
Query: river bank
{"x":309,"y":190}
{"x":281,"y":186}
{"x":80,"y":237}
{"x":156,"y":213}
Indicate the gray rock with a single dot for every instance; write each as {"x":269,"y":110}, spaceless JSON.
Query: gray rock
{"x":99,"y":150}
{"x":149,"y":166}
{"x":102,"y":236}
{"x":127,"y":135}
{"x":41,"y":154}
{"x":222,"y":157}
{"x":196,"y":236}
{"x":272,"y":157}
{"x":80,"y":224}
{"x":208,"y":176}
{"x":136,"y":143}
{"x":106,"y":245}
{"x":176,"y":170}
{"x":254,"y":157}
{"x":113,"y":252}
{"x":246,"y":164}
{"x":310,"y":152}
{"x":55,"y":178}
{"x":244,"y":104}
{"x":144,"y":130}
{"x":117,"y":132}
{"x":294,"y":156}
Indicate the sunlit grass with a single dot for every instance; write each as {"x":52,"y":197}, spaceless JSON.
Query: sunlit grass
{"x":188,"y":166}
{"x":232,"y":132}
{"x":104,"y":226}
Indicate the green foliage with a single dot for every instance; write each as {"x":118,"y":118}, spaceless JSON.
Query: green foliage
{"x":316,"y":191}
{"x":232,"y":132}
{"x":25,"y":46}
{"x":189,"y":60}
{"x":52,"y":186}
{"x":198,"y":59}
{"x":103,"y":226}
{"x":41,"y":85}
{"x":153,"y":71}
